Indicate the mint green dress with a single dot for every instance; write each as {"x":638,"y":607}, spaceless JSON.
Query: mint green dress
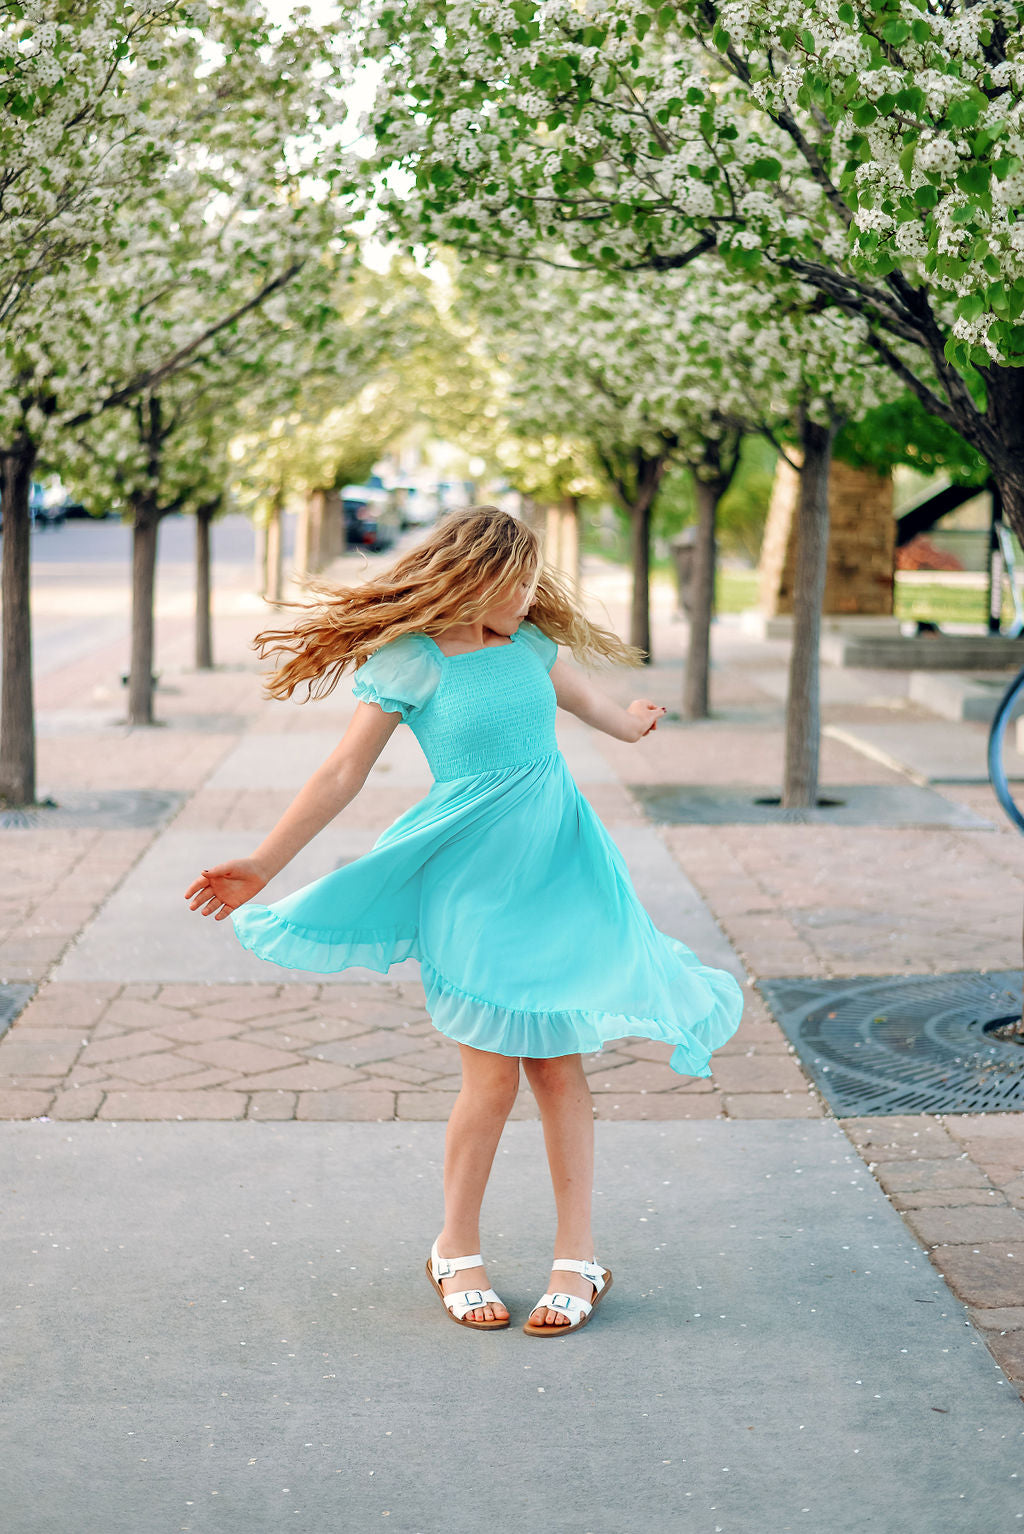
{"x":502,"y":881}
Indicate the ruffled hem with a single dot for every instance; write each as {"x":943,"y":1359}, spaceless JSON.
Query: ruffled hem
{"x":542,"y":1035}
{"x":468,"y":1019}
{"x":272,"y":937}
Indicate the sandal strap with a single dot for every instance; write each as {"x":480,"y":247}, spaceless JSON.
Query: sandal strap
{"x":447,"y":1267}
{"x":592,"y":1271}
{"x":571,"y":1304}
{"x":462,"y":1301}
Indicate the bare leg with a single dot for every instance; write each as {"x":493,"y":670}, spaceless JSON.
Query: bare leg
{"x":566,"y":1108}
{"x":489,"y":1086}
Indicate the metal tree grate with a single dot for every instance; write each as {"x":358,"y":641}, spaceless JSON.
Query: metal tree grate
{"x":13,"y":999}
{"x":854,"y":804}
{"x":127,"y":809}
{"x":905,"y":1043}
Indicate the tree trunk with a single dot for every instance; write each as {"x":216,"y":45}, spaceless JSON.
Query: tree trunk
{"x":302,"y":557}
{"x":272,"y":585}
{"x":259,"y":557}
{"x":144,"y":544}
{"x":640,"y":607}
{"x":561,"y":538}
{"x":702,"y":601}
{"x":803,"y":712}
{"x":999,"y":437}
{"x":204,"y":625}
{"x":571,"y":540}
{"x":17,"y":715}
{"x":721,"y":457}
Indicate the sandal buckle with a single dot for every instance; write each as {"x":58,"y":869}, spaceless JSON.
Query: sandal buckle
{"x":560,"y":1302}
{"x":468,"y":1297}
{"x":444,"y":1268}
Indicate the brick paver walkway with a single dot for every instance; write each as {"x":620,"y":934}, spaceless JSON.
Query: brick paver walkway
{"x":793,"y":900}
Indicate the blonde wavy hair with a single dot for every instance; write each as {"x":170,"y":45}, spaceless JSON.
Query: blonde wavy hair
{"x":469,"y":561}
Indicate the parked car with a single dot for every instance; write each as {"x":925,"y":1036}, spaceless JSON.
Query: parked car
{"x":45,"y":508}
{"x":370,"y":520}
{"x":419,"y":508}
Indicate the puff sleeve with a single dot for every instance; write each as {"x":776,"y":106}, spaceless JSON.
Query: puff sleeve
{"x":539,"y":643}
{"x":400,"y":677}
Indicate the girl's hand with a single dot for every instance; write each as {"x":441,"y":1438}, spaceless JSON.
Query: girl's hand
{"x":647,"y":715}
{"x":219,"y":890}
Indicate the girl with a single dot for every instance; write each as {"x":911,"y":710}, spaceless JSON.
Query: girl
{"x":502,"y":882}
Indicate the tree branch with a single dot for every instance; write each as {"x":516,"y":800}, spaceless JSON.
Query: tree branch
{"x":150,"y":377}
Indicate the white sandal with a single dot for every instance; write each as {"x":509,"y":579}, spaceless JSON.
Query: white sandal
{"x":580,"y":1311}
{"x":462,"y":1301}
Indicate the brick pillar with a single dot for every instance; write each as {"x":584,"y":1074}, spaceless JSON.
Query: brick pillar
{"x":861,"y":548}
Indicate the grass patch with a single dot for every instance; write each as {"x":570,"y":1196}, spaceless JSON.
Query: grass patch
{"x":735,"y":590}
{"x":940,"y":603}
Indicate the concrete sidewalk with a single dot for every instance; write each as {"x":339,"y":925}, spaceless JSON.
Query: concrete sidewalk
{"x":226,"y":1329}
{"x":142,"y":1012}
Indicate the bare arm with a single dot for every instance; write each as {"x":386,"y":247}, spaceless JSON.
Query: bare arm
{"x":578,"y":695}
{"x":218,"y":891}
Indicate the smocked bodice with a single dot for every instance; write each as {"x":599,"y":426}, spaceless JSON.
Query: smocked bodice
{"x":483,"y":711}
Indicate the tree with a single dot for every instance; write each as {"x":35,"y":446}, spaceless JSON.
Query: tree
{"x":195,"y":230}
{"x":813,"y":364}
{"x":364,"y":377}
{"x":74,"y":82}
{"x":613,"y":364}
{"x":872,"y":149}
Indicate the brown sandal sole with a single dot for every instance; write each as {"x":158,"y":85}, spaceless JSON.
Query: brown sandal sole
{"x":474,"y":1326}
{"x":557,"y":1331}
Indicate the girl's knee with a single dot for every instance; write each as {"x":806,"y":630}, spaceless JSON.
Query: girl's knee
{"x":555,"y":1074}
{"x":495,"y":1077}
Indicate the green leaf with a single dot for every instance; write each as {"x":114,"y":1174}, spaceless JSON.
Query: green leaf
{"x":864,"y":113}
{"x":643,"y":26}
{"x":971,"y":306}
{"x":847,"y":13}
{"x":911,"y":100}
{"x":974,"y":179}
{"x":922,"y":32}
{"x":926,"y":196}
{"x":895,"y":31}
{"x":766,"y":168}
{"x":965,"y":112}
{"x":907,"y":159}
{"x":998,"y":300}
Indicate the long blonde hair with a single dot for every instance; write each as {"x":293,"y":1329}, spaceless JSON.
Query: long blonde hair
{"x":466,"y":563}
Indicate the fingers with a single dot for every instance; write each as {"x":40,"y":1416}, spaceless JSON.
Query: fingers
{"x":206,"y":902}
{"x":200,"y":888}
